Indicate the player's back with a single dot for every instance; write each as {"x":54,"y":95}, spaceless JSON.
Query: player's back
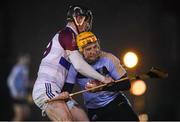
{"x":55,"y":64}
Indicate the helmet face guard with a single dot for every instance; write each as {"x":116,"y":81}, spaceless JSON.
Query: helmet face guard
{"x":77,"y":10}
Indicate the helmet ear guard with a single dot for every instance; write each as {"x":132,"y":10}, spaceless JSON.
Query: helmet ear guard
{"x":85,"y":38}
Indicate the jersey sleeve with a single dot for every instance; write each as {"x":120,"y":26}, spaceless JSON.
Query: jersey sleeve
{"x":115,"y":68}
{"x":67,"y":39}
{"x":71,"y":77}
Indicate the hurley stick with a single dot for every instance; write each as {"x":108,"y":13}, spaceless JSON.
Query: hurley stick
{"x":153,"y":73}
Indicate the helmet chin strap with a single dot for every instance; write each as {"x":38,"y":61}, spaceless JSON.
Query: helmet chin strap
{"x":78,"y":24}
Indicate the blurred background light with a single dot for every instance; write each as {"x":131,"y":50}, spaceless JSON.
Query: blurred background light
{"x":143,"y":117}
{"x":130,"y":59}
{"x":138,"y":87}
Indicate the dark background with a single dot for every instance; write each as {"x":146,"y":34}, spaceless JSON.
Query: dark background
{"x":148,"y":27}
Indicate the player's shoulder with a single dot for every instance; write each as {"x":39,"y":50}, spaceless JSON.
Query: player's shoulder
{"x":66,"y":31}
{"x":108,"y":55}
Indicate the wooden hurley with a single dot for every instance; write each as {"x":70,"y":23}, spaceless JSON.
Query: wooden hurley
{"x":153,"y":73}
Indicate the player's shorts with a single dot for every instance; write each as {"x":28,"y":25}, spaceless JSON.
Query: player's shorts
{"x":45,"y":91}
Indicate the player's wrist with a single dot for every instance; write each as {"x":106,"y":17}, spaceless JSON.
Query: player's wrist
{"x":108,"y":80}
{"x":102,"y":79}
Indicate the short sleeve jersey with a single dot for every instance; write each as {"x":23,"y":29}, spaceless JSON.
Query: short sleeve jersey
{"x":54,"y":64}
{"x":107,"y":65}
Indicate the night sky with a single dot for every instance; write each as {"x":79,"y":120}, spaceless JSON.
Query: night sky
{"x":148,"y":27}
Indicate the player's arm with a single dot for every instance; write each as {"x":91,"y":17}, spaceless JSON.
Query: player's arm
{"x":119,"y":86}
{"x":67,"y":41}
{"x":117,"y":71}
{"x":68,"y":85}
{"x":70,"y":80}
{"x":11,"y":81}
{"x":83,"y":67}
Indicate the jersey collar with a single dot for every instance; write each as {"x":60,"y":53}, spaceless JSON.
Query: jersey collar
{"x":72,"y":29}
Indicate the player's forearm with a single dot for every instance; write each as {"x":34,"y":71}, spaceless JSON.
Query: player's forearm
{"x":119,"y":86}
{"x":84,"y":68}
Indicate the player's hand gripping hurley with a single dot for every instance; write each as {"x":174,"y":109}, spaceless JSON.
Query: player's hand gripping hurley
{"x":153,"y":73}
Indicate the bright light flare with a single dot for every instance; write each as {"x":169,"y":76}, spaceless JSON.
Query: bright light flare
{"x":143,"y":117}
{"x":130,"y":59}
{"x":138,"y":87}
